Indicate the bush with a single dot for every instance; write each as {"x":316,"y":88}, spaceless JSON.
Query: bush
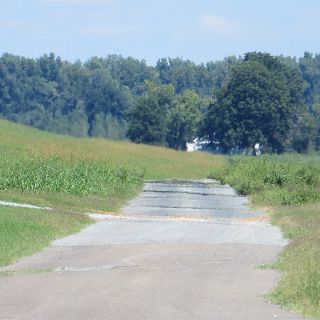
{"x":272,"y":180}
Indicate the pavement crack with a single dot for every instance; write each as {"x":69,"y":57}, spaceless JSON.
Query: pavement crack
{"x":190,"y":192}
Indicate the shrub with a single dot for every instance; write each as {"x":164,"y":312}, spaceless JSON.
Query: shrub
{"x":272,"y":180}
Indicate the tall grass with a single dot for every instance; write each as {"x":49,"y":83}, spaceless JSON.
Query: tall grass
{"x":290,"y":186}
{"x":271,"y":180}
{"x":83,"y":174}
{"x":68,"y":177}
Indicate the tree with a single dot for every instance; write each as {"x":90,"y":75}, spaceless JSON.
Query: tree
{"x":220,"y":71}
{"x":78,"y":123}
{"x":259,"y":103}
{"x":185,"y":75}
{"x":304,"y":133}
{"x":310,"y":68}
{"x":315,"y":116}
{"x":147,"y":121}
{"x":183,"y":120}
{"x":256,"y":98}
{"x":129,"y":72}
{"x":107,"y":126}
{"x":45,"y":93}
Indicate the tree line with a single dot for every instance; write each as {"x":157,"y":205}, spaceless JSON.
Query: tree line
{"x":233,"y":103}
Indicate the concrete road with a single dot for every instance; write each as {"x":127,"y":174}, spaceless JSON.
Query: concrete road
{"x":164,"y":258}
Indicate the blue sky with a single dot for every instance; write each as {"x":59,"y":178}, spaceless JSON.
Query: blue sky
{"x":200,"y":30}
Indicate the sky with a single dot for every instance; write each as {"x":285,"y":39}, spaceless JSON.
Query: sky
{"x":199,"y":30}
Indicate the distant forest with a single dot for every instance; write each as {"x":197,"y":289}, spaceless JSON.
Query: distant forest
{"x":233,"y":103}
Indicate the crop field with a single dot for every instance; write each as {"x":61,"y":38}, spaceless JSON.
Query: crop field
{"x":57,"y":182}
{"x":289,"y":186}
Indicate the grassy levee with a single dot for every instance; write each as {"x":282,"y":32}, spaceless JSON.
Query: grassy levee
{"x":84,"y":174}
{"x":154,"y":162}
{"x":75,"y":175}
{"x":289,"y":186}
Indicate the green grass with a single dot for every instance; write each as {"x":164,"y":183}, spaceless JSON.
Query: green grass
{"x":299,"y":288}
{"x":26,"y":231}
{"x":273,"y":180}
{"x":85,"y":174}
{"x":72,"y":185}
{"x":289,"y":186}
{"x":154,"y":162}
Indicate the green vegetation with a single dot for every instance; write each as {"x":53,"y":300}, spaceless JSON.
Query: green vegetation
{"x":60,"y":182}
{"x":26,"y":231}
{"x":82,"y":174}
{"x":162,"y":117}
{"x":155,"y":162}
{"x":299,"y":288}
{"x":273,"y":180}
{"x":259,"y":103}
{"x":289,"y":187}
{"x":70,"y":177}
{"x":93,"y":98}
{"x":147,"y":119}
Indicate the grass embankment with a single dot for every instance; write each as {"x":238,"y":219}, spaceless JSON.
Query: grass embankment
{"x":75,"y":175}
{"x":70,"y":185}
{"x":289,"y":186}
{"x":85,"y":174}
{"x":26,"y":231}
{"x":154,"y":162}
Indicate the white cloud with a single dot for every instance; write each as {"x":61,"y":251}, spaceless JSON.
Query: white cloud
{"x":110,"y":31}
{"x":216,"y":25}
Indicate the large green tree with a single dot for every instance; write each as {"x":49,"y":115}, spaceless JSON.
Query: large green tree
{"x":147,"y":122}
{"x":259,"y":103}
{"x":148,"y":118}
{"x":183,"y":120}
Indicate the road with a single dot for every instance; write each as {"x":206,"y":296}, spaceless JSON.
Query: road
{"x":180,"y":250}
